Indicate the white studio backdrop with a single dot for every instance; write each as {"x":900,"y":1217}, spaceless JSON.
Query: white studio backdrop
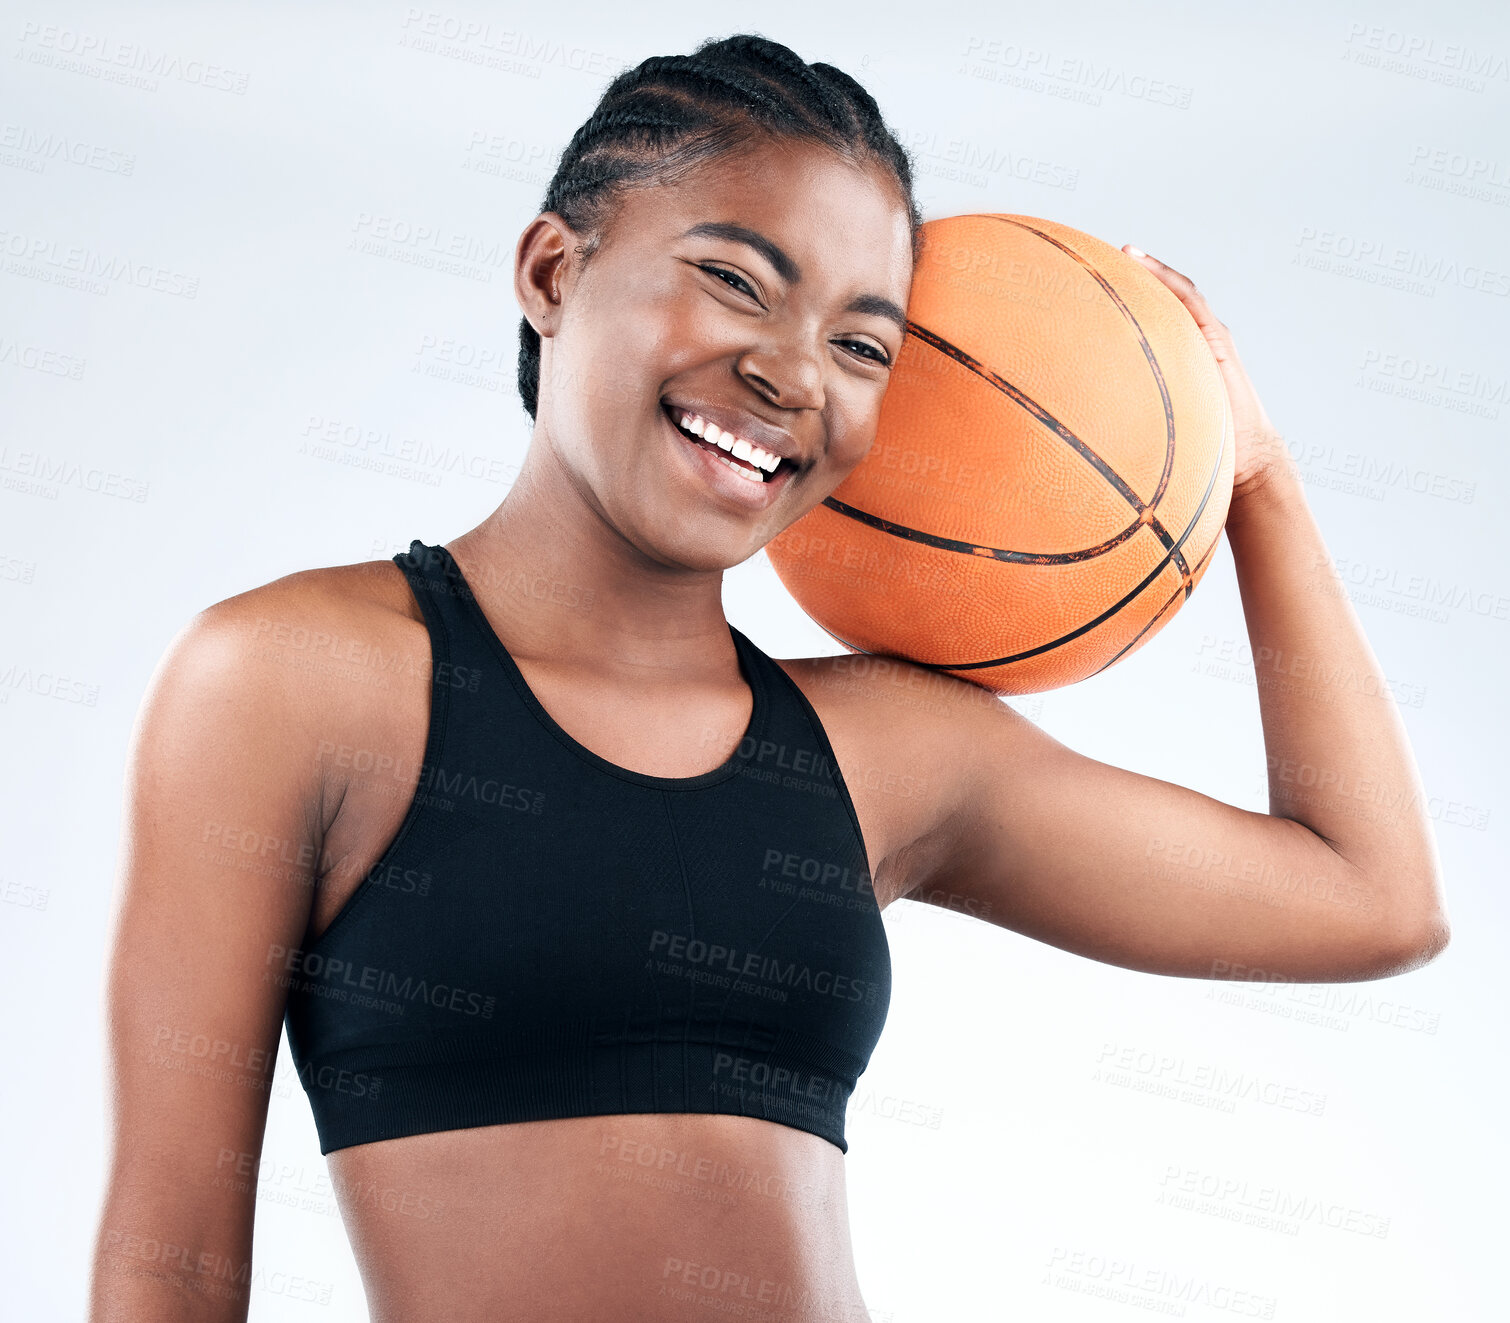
{"x":263,"y":363}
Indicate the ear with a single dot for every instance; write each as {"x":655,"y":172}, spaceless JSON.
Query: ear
{"x":540,"y":268}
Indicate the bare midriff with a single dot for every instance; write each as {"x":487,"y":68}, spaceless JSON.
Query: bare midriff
{"x":636,"y":1218}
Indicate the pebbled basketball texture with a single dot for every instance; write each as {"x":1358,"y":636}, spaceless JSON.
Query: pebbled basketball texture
{"x":1051,"y":471}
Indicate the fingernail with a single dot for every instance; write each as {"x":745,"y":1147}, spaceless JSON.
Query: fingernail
{"x":1136,"y":252}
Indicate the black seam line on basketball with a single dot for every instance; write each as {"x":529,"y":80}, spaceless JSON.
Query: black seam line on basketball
{"x":1030,"y":405}
{"x":1187,"y":586}
{"x":1146,"y":516}
{"x":974,"y":549}
{"x":917,"y":535}
{"x":1089,"y":624}
{"x":1153,"y":365}
{"x":1148,"y":579}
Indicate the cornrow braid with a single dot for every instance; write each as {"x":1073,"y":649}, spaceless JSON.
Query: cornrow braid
{"x":670,"y":113}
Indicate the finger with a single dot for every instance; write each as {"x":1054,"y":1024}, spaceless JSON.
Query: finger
{"x":1183,"y":286}
{"x":1245,"y":401}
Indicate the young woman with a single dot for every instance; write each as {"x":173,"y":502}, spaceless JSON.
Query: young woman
{"x":570,"y":894}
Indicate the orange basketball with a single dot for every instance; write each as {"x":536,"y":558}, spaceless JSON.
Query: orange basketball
{"x":1051,"y":472}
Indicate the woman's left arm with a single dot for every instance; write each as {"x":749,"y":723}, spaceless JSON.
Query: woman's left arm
{"x":1334,"y":739}
{"x":1340,"y":880}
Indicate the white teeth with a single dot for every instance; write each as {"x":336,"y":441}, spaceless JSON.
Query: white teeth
{"x":738,"y":446}
{"x":740,"y":469}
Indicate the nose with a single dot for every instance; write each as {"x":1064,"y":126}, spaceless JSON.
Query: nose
{"x":789,"y":377}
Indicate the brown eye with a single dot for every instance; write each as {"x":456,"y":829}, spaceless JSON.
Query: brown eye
{"x":727,"y":277}
{"x":875,"y":355}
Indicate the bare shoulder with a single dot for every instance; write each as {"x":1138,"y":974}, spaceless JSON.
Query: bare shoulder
{"x":324,"y":624}
{"x":309,"y":608}
{"x":324,"y":649}
{"x":902,"y":735}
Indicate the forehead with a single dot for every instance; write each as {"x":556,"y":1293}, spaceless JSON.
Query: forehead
{"x":830,"y":214}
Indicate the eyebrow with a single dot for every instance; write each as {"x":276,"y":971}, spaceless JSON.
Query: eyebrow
{"x":874,"y":304}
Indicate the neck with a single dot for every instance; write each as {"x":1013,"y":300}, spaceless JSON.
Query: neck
{"x":561,"y":583}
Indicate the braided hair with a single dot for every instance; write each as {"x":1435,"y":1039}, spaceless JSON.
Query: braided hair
{"x":659,"y":120}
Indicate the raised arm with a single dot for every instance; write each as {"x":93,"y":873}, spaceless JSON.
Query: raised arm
{"x":220,"y":836}
{"x":1339,"y":881}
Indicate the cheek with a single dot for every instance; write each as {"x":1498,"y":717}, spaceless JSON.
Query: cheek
{"x":683,"y":332}
{"x":852,"y":435}
{"x":605,"y":372}
{"x":616,"y":351}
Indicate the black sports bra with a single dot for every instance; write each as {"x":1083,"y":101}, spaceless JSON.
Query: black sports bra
{"x":551,"y":935}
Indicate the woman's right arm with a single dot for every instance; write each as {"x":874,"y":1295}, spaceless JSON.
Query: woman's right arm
{"x":222,"y":826}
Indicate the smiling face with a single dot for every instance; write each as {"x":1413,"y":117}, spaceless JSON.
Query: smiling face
{"x":761,"y":293}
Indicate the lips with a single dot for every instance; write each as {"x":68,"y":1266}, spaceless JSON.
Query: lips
{"x":671,"y":412}
{"x":712,"y":466}
{"x":736,"y":421}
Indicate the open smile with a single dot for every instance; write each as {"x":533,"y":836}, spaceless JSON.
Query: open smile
{"x":737,"y":478}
